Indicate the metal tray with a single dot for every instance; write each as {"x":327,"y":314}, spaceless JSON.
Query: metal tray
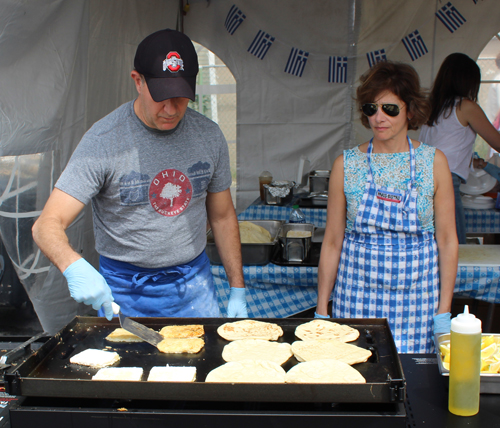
{"x":251,"y":254}
{"x":48,"y":372}
{"x":319,"y":181}
{"x":490,"y":382}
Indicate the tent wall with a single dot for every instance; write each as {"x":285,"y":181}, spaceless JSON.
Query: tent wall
{"x":66,"y":64}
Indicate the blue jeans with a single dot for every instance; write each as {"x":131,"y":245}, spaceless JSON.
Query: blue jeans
{"x":459,"y":210}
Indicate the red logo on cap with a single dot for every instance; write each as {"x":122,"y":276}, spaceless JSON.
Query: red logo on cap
{"x":170,"y":192}
{"x":173,"y":62}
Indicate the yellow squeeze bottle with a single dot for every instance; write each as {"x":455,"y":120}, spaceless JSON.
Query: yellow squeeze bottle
{"x":465,"y":364}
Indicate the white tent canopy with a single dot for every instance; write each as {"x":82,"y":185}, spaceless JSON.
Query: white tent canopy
{"x":66,"y":64}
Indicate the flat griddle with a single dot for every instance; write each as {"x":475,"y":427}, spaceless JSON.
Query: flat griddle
{"x":48,"y":372}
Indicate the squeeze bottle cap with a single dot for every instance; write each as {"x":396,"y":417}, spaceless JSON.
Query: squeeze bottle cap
{"x":466,"y":323}
{"x":265,"y":174}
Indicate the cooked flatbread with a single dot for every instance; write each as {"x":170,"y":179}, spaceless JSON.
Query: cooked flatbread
{"x":119,"y":373}
{"x":122,"y":335}
{"x":251,"y":233}
{"x":323,"y":329}
{"x":257,"y":349}
{"x":321,"y":349}
{"x":181,"y":346}
{"x":250,"y":329}
{"x":182,"y":331}
{"x":323,"y":371}
{"x":248,"y":371}
{"x":298,"y":234}
{"x":95,"y":358}
{"x":172,"y":374}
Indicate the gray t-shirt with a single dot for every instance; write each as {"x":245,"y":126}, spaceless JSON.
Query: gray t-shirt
{"x":148,"y":188}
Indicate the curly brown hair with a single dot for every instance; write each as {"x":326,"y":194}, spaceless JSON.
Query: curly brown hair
{"x":402,"y":80}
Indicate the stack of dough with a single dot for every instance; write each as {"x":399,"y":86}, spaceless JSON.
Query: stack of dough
{"x":119,"y":373}
{"x":95,"y":358}
{"x":320,"y":349}
{"x":250,"y":329}
{"x":251,"y":233}
{"x":322,"y":329}
{"x":323,"y":371}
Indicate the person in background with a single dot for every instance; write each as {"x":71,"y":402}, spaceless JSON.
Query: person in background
{"x":389,"y":247}
{"x":154,"y":171}
{"x":455,"y":120}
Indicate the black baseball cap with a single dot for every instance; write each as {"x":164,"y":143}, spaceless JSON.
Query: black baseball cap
{"x":169,"y":63}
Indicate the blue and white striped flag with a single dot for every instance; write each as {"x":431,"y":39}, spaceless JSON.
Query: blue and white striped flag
{"x":451,"y":18}
{"x":415,"y":45}
{"x":261,"y":44}
{"x":376,"y":56}
{"x":296,"y":62}
{"x":234,"y":19}
{"x":337,"y":69}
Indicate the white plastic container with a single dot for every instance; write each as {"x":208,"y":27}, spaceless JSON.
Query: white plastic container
{"x":465,"y":364}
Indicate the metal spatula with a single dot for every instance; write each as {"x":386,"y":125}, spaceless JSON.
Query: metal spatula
{"x":145,"y":333}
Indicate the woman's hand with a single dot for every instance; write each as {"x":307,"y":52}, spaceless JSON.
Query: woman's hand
{"x":479,"y":163}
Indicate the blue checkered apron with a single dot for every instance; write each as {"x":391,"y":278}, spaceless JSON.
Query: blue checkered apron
{"x":389,"y":265}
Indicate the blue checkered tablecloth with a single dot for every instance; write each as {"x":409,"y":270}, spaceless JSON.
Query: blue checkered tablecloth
{"x":280,"y":291}
{"x":482,"y":221}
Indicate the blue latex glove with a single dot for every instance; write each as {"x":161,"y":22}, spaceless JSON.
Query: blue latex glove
{"x":493,"y":170}
{"x":442,"y":323}
{"x":316,"y":315}
{"x":89,"y":286}
{"x":237,"y":306}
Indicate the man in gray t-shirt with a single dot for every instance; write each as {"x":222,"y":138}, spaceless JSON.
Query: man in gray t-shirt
{"x":154,"y":171}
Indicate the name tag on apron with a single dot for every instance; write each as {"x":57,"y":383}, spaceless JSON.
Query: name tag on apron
{"x":389,"y":196}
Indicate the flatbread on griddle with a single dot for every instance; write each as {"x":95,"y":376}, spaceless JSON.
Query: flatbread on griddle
{"x":172,"y":374}
{"x":257,"y":349}
{"x":323,"y":371}
{"x":183,"y":331}
{"x":323,"y":329}
{"x":250,"y":329}
{"x":122,"y":335}
{"x":119,"y":373}
{"x":247,"y":371}
{"x":321,"y":349}
{"x":181,"y":346}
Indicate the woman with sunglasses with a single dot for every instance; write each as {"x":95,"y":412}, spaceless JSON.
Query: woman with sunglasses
{"x":390,"y":210}
{"x":455,"y":120}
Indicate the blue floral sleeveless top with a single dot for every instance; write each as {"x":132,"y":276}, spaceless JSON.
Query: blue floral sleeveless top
{"x":390,"y":169}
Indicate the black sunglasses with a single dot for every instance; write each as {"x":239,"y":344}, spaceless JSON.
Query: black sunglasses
{"x":369,"y":109}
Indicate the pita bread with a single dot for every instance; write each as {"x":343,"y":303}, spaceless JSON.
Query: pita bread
{"x":323,"y":329}
{"x":118,"y":373}
{"x":248,"y":371}
{"x":95,"y":358}
{"x":251,"y":233}
{"x":182,"y":331}
{"x":181,"y":346}
{"x":321,"y":349}
{"x":250,"y":329}
{"x":323,"y":371}
{"x":257,"y":349}
{"x":122,"y":335}
{"x":172,"y":374}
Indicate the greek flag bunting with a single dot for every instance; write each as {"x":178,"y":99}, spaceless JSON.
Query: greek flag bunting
{"x":234,"y":19}
{"x":337,"y":69}
{"x":376,"y":56}
{"x":296,"y":62}
{"x":451,"y":18}
{"x":261,"y":44}
{"x":415,"y":45}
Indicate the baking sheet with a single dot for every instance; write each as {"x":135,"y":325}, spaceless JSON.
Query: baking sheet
{"x":490,"y":382}
{"x":479,"y":255}
{"x":48,"y":372}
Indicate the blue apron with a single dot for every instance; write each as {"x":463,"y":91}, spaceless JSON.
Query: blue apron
{"x":389,"y":265}
{"x":178,"y":291}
